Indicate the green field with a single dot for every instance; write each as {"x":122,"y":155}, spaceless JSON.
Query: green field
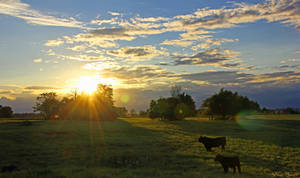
{"x":268,"y":146}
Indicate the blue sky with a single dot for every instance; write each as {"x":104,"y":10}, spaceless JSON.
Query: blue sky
{"x":142,"y":48}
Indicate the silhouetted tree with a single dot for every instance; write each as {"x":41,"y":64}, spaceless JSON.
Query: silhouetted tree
{"x":142,"y":113}
{"x":290,"y":110}
{"x":48,"y":105}
{"x":227,"y":104}
{"x":176,"y":107}
{"x":121,"y":111}
{"x":176,"y":90}
{"x":6,"y":112}
{"x":96,"y":106}
{"x":133,"y":113}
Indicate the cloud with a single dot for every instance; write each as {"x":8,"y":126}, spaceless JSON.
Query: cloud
{"x":114,"y":13}
{"x":7,"y":93}
{"x":40,"y":88}
{"x":104,"y":37}
{"x":236,"y":78}
{"x":78,"y":48}
{"x":111,"y":33}
{"x":56,"y":42}
{"x":182,"y":43}
{"x":283,"y":11}
{"x":38,"y":60}
{"x":153,"y":19}
{"x":289,"y":63}
{"x":104,"y":21}
{"x":18,"y":9}
{"x":137,"y":72}
{"x":288,"y":66}
{"x":133,"y":76}
{"x":196,"y":28}
{"x":138,"y":53}
{"x":276,"y":78}
{"x":83,"y":57}
{"x":218,"y":77}
{"x":214,"y":56}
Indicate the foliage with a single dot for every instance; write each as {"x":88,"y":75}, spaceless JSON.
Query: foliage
{"x":175,"y":90}
{"x":48,"y":105}
{"x":143,"y":113}
{"x":98,"y":105}
{"x":290,"y":110}
{"x":133,"y":113}
{"x":173,"y":108}
{"x":121,"y":111}
{"x":5,"y":112}
{"x":227,"y":104}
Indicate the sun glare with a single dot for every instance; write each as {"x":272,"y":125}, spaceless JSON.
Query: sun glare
{"x":87,"y":85}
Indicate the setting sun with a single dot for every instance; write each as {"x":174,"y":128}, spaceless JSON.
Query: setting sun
{"x":87,"y":85}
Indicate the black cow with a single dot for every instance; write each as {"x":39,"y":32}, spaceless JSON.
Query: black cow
{"x":213,"y":142}
{"x":229,"y":162}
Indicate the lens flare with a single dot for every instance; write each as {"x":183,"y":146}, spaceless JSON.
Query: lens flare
{"x":125,"y":98}
{"x":248,"y":120}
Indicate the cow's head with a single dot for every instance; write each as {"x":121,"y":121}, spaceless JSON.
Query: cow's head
{"x":201,"y":139}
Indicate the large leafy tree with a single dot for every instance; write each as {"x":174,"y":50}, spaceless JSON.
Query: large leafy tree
{"x":6,"y":112}
{"x":176,"y":107}
{"x":97,"y":106}
{"x":48,"y":105}
{"x":227,"y":104}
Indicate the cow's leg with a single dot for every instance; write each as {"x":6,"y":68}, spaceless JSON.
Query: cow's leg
{"x":225,"y":168}
{"x":239,"y":168}
{"x":207,"y":148}
{"x":223,"y":147}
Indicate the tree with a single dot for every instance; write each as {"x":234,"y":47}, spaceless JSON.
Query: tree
{"x":176,"y":90}
{"x":96,"y":106}
{"x":142,"y":113}
{"x":104,"y":93}
{"x":6,"y":112}
{"x":48,"y":105}
{"x":227,"y":104}
{"x":133,"y":113}
{"x":290,"y":110}
{"x":176,"y":107}
{"x":103,"y":103}
{"x":121,"y":111}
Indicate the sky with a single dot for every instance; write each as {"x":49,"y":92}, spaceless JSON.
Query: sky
{"x":142,"y":48}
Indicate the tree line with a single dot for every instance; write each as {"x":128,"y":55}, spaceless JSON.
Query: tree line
{"x":223,"y":105}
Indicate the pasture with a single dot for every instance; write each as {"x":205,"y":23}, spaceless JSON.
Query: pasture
{"x":268,"y":146}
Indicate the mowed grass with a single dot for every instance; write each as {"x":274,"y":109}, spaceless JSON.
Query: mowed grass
{"x":141,"y":147}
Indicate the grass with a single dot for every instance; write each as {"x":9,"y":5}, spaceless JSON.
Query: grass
{"x":141,"y":147}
